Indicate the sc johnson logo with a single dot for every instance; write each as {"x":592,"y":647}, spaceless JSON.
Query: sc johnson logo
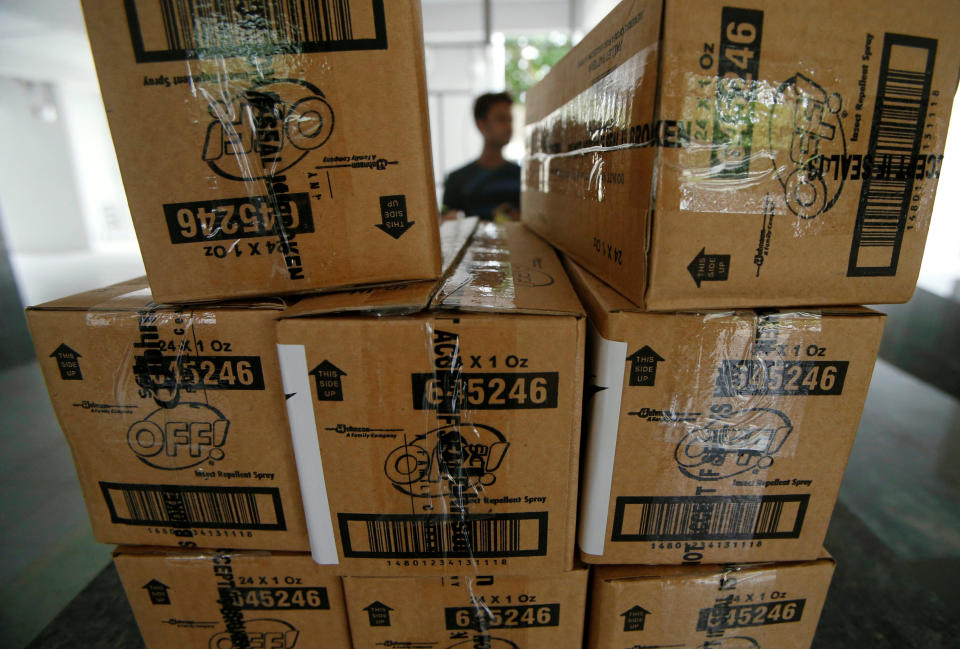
{"x":181,"y":437}
{"x":258,"y":634}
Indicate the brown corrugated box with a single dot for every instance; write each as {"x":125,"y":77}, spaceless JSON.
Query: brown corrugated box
{"x":708,"y":607}
{"x":270,"y":148}
{"x":175,"y":418}
{"x":702,"y":155}
{"x":232,"y":600}
{"x":454,"y":612}
{"x":717,"y":436}
{"x":442,"y":437}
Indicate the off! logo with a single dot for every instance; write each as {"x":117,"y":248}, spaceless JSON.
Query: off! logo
{"x":806,"y":117}
{"x":447,"y":460}
{"x":181,"y":437}
{"x":266,"y":129}
{"x":258,"y":634}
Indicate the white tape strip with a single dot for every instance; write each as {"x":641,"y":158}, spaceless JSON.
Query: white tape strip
{"x":306,"y":448}
{"x":608,"y":358}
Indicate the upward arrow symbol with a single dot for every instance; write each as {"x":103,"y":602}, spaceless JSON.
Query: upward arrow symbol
{"x":65,"y":352}
{"x":643,"y":366}
{"x":67,"y":363}
{"x":326,"y":375}
{"x":157,"y":590}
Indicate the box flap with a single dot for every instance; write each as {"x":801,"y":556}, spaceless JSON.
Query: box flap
{"x":134,"y":294}
{"x":394,"y":299}
{"x":508,"y":269}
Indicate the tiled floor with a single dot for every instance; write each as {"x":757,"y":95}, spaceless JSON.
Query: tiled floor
{"x":47,"y":551}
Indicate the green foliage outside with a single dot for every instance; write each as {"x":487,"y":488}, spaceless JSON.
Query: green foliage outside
{"x":529,"y":58}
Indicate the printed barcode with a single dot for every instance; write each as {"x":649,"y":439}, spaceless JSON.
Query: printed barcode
{"x":435,"y":536}
{"x":708,"y":518}
{"x":169,"y":30}
{"x":235,"y":508}
{"x":903,"y":91}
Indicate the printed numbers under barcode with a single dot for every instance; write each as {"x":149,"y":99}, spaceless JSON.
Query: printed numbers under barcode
{"x":280,"y":598}
{"x":500,"y":617}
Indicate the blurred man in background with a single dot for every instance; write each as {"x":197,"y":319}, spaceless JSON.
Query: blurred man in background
{"x":488,"y":187}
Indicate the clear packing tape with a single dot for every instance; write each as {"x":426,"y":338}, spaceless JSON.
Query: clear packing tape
{"x":566,"y":150}
{"x":484,"y":278}
{"x":741,"y":417}
{"x":244,"y":70}
{"x":731,"y":142}
{"x":719,"y":415}
{"x":494,"y":365}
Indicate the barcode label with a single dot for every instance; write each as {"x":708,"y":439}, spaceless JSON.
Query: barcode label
{"x":708,"y":518}
{"x":903,"y":91}
{"x":388,"y":536}
{"x":234,"y":508}
{"x":174,"y":30}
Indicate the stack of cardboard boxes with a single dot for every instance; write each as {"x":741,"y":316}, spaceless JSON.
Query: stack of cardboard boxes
{"x":381,"y":419}
{"x":778,"y":160}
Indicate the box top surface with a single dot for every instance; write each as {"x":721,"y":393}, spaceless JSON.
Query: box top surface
{"x":630,"y":25}
{"x":396,"y":299}
{"x":504,"y":269}
{"x":611,"y":301}
{"x":133,"y":295}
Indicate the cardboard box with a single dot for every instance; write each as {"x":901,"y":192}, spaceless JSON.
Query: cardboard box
{"x":270,"y":147}
{"x":491,"y":611}
{"x":175,"y":418}
{"x":708,"y":607}
{"x":699,"y":154}
{"x":232,"y":600}
{"x":717,"y":436}
{"x":444,"y":436}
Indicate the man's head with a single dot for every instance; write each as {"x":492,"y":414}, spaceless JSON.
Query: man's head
{"x":494,"y":119}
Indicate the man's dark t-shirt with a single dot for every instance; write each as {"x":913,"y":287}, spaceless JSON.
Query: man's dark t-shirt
{"x":478,"y":190}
